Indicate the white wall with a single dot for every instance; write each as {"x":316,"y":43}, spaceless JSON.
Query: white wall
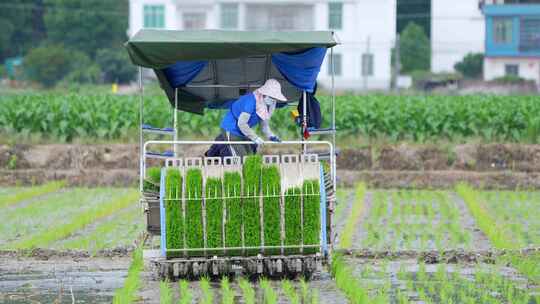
{"x":529,"y":68}
{"x":457,"y":28}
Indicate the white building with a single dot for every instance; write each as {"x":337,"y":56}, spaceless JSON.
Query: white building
{"x":365,"y":28}
{"x":457,"y":28}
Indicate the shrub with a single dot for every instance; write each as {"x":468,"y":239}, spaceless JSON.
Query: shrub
{"x":293,"y":216}
{"x":509,"y":79}
{"x":252,"y":191}
{"x":271,"y":190}
{"x":47,"y":64}
{"x":415,"y":49}
{"x":312,"y":214}
{"x":194,"y":220}
{"x":232,"y":185}
{"x":116,"y":65}
{"x":174,"y":221}
{"x":214,"y":214}
{"x":472,"y":65}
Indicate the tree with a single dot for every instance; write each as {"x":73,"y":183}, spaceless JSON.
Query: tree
{"x":87,"y":25}
{"x":116,"y":65}
{"x":471,"y":66}
{"x":415,"y":50}
{"x":417,"y":11}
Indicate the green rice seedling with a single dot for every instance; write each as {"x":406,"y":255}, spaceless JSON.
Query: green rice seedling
{"x":207,"y":296}
{"x":312,"y":215}
{"x":165,"y":293}
{"x":290,"y":292}
{"x":31,"y":192}
{"x":174,"y":221}
{"x":127,"y":293}
{"x":214,"y":215}
{"x":269,"y":294}
{"x":293,"y":217}
{"x":248,"y":293}
{"x":194,"y":219}
{"x":354,"y":217}
{"x":227,"y":293}
{"x":347,"y":282}
{"x":304,"y":288}
{"x":271,"y":190}
{"x":79,"y":222}
{"x":152,"y":181}
{"x":186,"y":296}
{"x":232,"y":185}
{"x":252,"y":191}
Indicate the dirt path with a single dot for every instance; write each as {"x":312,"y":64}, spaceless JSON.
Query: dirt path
{"x":60,"y":280}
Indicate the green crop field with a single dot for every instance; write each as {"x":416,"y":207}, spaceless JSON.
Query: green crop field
{"x":415,"y":118}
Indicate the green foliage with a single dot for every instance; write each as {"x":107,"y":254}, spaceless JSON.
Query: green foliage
{"x":227,"y":293}
{"x":248,"y":293}
{"x":116,"y":65}
{"x":232,"y":186}
{"x":207,"y":296}
{"x":270,"y":296}
{"x":127,"y":294}
{"x":312,"y":214}
{"x":152,"y":181}
{"x":509,"y":79}
{"x":293,"y":218}
{"x":271,"y":190}
{"x":472,"y":65}
{"x":214,"y":215}
{"x":252,"y":190}
{"x":347,"y":282}
{"x":165,"y":293}
{"x":174,"y":220}
{"x":290,"y":292}
{"x":345,"y":239}
{"x":194,"y":218}
{"x":65,"y":117}
{"x":87,"y":25}
{"x":415,"y":49}
{"x":32,"y":192}
{"x":47,"y":64}
{"x":186,"y":295}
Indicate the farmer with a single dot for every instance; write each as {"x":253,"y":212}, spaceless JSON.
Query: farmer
{"x":244,"y":114}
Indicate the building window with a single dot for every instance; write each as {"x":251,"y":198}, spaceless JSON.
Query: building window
{"x":511,"y":70}
{"x":279,"y":17}
{"x":194,"y":21}
{"x":154,"y":16}
{"x":229,"y":16}
{"x":529,"y":35}
{"x":335,"y":15}
{"x":502,"y":29}
{"x":367,"y":64}
{"x":337,"y":64}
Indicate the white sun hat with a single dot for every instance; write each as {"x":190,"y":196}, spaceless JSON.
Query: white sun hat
{"x":272,"y":88}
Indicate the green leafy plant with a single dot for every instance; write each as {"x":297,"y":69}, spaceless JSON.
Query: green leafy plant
{"x":232,"y":186}
{"x":248,"y":292}
{"x":127,"y":293}
{"x":269,"y":294}
{"x":186,"y":295}
{"x":312,"y":215}
{"x":174,"y":221}
{"x":290,"y":292}
{"x":207,"y":294}
{"x":293,"y":219}
{"x":227,"y":293}
{"x":271,"y":190}
{"x":214,"y":215}
{"x":252,"y":191}
{"x":32,"y":192}
{"x":165,"y":293}
{"x":152,"y":181}
{"x":193,"y":219}
{"x":354,"y":217}
{"x":347,"y":282}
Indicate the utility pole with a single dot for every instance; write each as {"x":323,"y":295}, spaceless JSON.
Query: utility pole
{"x":364,"y":64}
{"x":397,"y":64}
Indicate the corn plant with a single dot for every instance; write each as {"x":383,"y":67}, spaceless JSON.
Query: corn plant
{"x":252,"y":190}
{"x":194,"y":218}
{"x":214,"y":214}
{"x":174,"y":220}
{"x":271,"y":190}
{"x":232,"y":185}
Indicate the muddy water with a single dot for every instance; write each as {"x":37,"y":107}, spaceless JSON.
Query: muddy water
{"x":61,"y":280}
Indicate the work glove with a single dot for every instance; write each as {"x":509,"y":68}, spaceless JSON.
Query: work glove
{"x":274,"y":138}
{"x":258,"y":141}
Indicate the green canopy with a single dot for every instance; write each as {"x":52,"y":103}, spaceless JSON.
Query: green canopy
{"x":158,"y":49}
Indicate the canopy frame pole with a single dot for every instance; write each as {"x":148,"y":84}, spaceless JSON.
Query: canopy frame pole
{"x":304,"y":119}
{"x":141,"y":121}
{"x":175,"y":120}
{"x":333,"y":156}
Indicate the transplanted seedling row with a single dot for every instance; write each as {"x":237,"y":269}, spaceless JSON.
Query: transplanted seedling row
{"x":227,"y":213}
{"x":414,"y":220}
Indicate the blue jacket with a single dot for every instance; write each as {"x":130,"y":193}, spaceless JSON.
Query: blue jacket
{"x":245,"y":103}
